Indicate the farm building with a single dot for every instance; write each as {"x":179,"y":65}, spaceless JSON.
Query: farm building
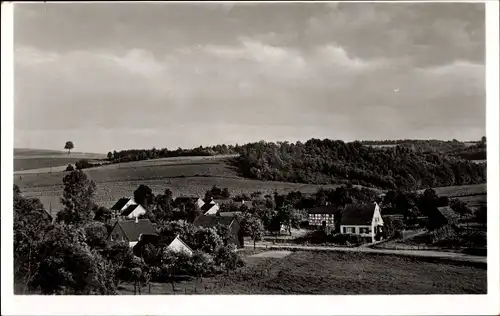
{"x":443,"y":216}
{"x":322,"y":216}
{"x":364,"y":220}
{"x":235,"y":234}
{"x":131,"y":231}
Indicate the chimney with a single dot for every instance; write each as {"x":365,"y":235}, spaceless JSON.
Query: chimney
{"x":137,"y":219}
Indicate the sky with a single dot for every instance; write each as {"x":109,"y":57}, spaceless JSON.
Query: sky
{"x":111,"y":76}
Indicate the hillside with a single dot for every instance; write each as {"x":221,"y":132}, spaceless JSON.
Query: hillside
{"x":327,"y":162}
{"x":29,"y":158}
{"x":182,"y":175}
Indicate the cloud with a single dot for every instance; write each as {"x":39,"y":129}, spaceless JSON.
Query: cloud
{"x":245,"y":74}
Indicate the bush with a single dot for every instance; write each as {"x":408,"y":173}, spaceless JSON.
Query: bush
{"x":70,"y":167}
{"x":397,"y":234}
{"x":83,"y":164}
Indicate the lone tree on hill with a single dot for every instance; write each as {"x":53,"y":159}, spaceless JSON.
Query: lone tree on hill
{"x":69,"y":145}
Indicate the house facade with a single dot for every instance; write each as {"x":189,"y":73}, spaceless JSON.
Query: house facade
{"x":364,"y":220}
{"x":322,"y":216}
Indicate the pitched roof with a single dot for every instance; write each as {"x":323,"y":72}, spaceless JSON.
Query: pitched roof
{"x":358,"y":214}
{"x":182,"y":242}
{"x":448,"y":213}
{"x":326,"y":209}
{"x":120,"y":204}
{"x":212,"y":220}
{"x":207,"y":206}
{"x":133,"y":229}
{"x":129,"y":209}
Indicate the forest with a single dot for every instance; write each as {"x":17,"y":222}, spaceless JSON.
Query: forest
{"x":331,"y":162}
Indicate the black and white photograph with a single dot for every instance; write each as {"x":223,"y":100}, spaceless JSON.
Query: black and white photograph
{"x":183,"y":149}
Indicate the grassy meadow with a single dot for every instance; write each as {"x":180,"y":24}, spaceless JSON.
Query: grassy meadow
{"x":335,"y":273}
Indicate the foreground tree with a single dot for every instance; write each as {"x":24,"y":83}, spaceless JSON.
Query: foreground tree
{"x":78,"y":199}
{"x":68,"y":146}
{"x":31,"y":223}
{"x":67,"y":265}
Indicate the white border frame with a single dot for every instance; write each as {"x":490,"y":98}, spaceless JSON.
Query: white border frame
{"x":243,"y":304}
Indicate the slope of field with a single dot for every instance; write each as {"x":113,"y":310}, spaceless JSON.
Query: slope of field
{"x":186,"y":175}
{"x":337,"y":273}
{"x":28,"y":159}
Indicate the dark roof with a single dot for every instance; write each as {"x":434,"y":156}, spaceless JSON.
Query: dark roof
{"x":358,"y":214}
{"x":212,"y":220}
{"x":129,"y":210}
{"x":327,"y":209}
{"x":206,"y":206}
{"x":133,"y":229}
{"x":120,"y":204}
{"x":448,"y":213}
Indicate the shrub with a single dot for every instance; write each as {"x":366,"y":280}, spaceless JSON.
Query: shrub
{"x":83,"y":164}
{"x":70,"y":167}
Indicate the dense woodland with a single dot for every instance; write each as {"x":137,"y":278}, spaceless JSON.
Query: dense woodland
{"x":408,"y":165}
{"x":327,"y":161}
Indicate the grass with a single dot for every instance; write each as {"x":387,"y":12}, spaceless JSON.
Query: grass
{"x":186,"y":176}
{"x":28,"y":159}
{"x":338,"y":273}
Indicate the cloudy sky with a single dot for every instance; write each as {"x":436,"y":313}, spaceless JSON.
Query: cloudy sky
{"x":138,"y":75}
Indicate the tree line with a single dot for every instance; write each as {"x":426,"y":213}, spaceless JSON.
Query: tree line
{"x":335,"y":162}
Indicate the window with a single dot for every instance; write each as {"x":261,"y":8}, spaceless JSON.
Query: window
{"x":344,"y":230}
{"x":352,"y":230}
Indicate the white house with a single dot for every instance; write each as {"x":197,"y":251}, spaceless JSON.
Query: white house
{"x":364,"y":220}
{"x":127,"y":208}
{"x":133,"y":211}
{"x":178,"y":245}
{"x":210,"y":208}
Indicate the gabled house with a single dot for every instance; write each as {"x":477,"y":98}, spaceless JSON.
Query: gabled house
{"x":131,"y":231}
{"x":235,"y":234}
{"x":443,"y":216}
{"x":210,"y":209}
{"x":178,"y":245}
{"x":322,"y":216}
{"x":127,"y":208}
{"x":363,"y":219}
{"x":133,"y":211}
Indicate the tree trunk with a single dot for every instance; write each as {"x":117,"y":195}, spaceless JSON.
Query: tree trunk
{"x":149,"y":288}
{"x":254,"y":244}
{"x":135,"y":288}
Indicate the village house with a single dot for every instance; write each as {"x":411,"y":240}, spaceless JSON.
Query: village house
{"x":322,"y":216}
{"x":131,"y":231}
{"x":127,"y":208}
{"x":178,"y":245}
{"x":235,"y":234}
{"x":210,"y":208}
{"x":364,"y":220}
